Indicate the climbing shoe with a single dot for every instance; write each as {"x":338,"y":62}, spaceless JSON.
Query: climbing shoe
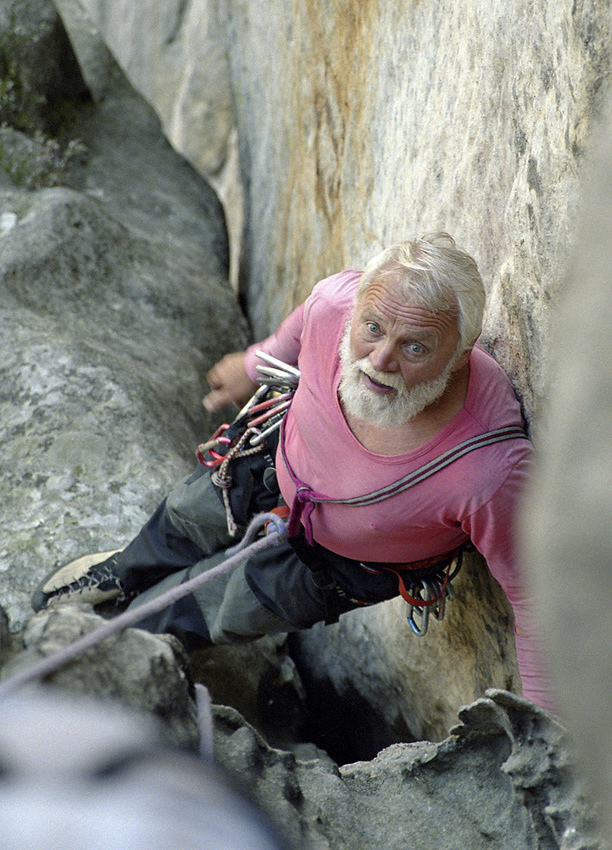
{"x":89,"y":579}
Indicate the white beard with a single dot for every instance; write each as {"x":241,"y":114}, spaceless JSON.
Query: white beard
{"x":381,"y":409}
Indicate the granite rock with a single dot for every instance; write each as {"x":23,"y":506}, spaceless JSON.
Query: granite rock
{"x":568,"y":512}
{"x":115,"y":302}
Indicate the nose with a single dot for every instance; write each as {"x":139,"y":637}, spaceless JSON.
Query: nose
{"x":382,"y":357}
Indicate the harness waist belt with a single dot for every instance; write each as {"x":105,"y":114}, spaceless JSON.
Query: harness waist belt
{"x":424,"y":564}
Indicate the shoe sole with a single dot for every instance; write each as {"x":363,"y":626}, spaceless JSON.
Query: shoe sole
{"x":56,"y":579}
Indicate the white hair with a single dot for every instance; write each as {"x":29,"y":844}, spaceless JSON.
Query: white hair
{"x":439,"y":274}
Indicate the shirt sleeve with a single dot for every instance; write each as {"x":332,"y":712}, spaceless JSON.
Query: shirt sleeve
{"x":329,"y":300}
{"x":492,"y":529}
{"x":284,"y":344}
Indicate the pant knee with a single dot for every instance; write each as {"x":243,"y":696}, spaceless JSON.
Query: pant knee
{"x":195,"y":510}
{"x":242,"y":617}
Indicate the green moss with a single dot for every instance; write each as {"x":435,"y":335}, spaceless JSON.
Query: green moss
{"x":36,"y":161}
{"x":19,"y":103}
{"x":28,"y":154}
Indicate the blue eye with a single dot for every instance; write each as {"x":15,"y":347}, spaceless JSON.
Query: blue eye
{"x":372,"y":327}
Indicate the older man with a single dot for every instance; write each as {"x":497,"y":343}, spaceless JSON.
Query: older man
{"x":402,"y":444}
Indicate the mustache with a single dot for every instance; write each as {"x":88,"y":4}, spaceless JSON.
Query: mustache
{"x":388,"y":379}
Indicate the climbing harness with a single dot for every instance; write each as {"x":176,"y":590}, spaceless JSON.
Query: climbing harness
{"x":424,"y":595}
{"x":261,"y":416}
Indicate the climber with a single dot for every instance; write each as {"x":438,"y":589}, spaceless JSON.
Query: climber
{"x":381,"y":458}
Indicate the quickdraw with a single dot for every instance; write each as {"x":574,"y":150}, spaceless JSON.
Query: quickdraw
{"x":260,"y":417}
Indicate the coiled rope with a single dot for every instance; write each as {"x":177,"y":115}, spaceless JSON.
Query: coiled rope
{"x":236,"y":555}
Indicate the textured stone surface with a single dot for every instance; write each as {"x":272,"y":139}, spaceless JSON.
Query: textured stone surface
{"x":569,"y":511}
{"x":176,"y":60}
{"x":135,"y":668}
{"x":501,"y":780}
{"x":260,"y":681}
{"x":383,"y":684}
{"x":48,"y":69}
{"x":115,"y":301}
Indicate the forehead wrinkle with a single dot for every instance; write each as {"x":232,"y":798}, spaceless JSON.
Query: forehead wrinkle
{"x":414,"y":316}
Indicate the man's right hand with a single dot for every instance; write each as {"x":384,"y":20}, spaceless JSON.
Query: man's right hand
{"x":229,"y":383}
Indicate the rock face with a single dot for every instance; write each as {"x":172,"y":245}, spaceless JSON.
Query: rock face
{"x":568,"y":512}
{"x":500,"y":780}
{"x":115,"y":302}
{"x":358,"y":127}
{"x":141,"y":670}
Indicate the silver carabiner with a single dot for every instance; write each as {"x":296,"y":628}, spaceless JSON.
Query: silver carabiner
{"x":422,"y":612}
{"x":426,"y":590}
{"x":439,"y":607}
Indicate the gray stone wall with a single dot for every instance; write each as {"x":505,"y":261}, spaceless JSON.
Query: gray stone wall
{"x":362,"y":123}
{"x":568,"y":512}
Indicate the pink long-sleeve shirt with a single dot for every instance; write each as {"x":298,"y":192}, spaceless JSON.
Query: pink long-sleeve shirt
{"x":476,"y":497}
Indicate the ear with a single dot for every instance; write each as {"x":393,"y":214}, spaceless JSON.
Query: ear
{"x":464,"y":359}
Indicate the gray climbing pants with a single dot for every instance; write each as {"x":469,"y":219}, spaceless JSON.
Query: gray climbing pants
{"x":272,"y":591}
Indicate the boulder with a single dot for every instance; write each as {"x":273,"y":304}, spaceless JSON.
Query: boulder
{"x":568,"y":512}
{"x":134,"y":668}
{"x":500,"y":780}
{"x":115,"y":302}
{"x":176,"y":60}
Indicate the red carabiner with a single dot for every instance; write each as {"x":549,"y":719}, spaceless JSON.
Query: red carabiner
{"x":214,"y":459}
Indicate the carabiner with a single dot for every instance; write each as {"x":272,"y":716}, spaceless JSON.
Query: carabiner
{"x":214,"y":459}
{"x":423,"y":613}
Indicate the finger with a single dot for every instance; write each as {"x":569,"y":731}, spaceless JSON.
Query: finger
{"x":215,"y":401}
{"x":213,"y":378}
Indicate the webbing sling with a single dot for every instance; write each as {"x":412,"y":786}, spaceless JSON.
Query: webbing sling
{"x":306,"y":498}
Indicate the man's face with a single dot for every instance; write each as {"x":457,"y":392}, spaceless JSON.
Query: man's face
{"x":397,"y":356}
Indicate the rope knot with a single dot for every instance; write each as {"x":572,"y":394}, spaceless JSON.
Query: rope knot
{"x":303,"y":505}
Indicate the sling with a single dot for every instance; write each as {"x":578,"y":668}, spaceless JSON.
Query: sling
{"x":306,"y":499}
